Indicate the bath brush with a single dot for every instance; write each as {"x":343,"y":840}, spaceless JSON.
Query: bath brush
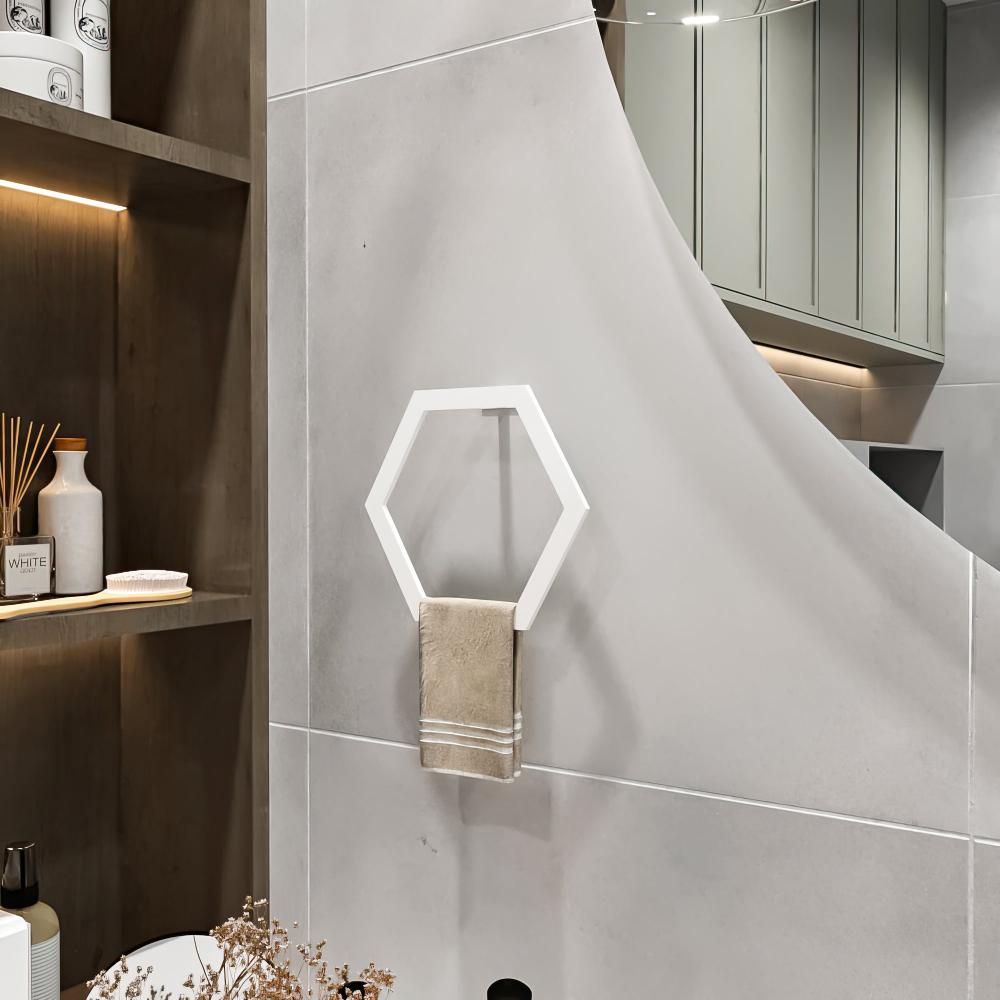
{"x":136,"y":587}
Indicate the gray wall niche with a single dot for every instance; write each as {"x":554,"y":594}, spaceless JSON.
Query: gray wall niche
{"x":747,"y":709}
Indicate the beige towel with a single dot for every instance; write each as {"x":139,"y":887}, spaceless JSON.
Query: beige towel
{"x":470,"y":689}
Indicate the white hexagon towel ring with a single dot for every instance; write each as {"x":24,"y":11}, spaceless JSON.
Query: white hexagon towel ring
{"x":501,"y":397}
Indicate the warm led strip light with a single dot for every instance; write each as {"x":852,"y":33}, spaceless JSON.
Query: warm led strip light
{"x":76,"y":199}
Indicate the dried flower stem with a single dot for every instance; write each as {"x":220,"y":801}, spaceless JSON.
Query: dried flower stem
{"x":257,"y":964}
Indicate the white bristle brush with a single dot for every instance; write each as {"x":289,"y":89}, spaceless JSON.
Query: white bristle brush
{"x":136,"y":587}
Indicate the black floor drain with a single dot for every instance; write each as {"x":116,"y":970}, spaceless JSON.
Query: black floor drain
{"x":508,"y":989}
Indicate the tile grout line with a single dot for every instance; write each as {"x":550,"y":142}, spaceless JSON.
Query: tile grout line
{"x":426,"y":60}
{"x":970,"y":894}
{"x":929,"y":385}
{"x":986,"y":195}
{"x":308,"y":479}
{"x":818,"y":381}
{"x":670,"y":789}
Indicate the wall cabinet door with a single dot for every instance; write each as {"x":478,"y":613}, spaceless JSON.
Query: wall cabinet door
{"x":790,"y":159}
{"x":914,"y":171}
{"x":659,"y":97}
{"x":838,"y":171}
{"x":879,"y":161}
{"x":732,"y":152}
{"x":936,"y":71}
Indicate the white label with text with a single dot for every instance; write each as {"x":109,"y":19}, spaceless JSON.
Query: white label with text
{"x":27,"y":570}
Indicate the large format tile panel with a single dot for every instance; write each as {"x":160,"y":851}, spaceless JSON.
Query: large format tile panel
{"x":288,"y":509}
{"x":583,"y":888}
{"x":286,"y":46}
{"x":986,"y":699}
{"x":345,"y":38}
{"x":747,"y":610}
{"x":973,"y":150}
{"x":973,"y":310}
{"x":986,"y":939}
{"x":289,"y":833}
{"x":837,"y":407}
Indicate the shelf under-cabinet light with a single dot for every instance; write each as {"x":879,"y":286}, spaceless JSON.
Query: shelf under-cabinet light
{"x":693,"y":20}
{"x":61,"y":196}
{"x":786,"y":362}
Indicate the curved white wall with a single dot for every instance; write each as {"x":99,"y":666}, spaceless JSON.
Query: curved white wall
{"x":748,"y":696}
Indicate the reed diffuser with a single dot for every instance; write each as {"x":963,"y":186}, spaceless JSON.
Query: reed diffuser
{"x":27,"y":565}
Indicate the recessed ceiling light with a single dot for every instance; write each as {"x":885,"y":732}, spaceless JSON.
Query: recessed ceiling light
{"x":46,"y":193}
{"x":650,"y":13}
{"x":696,"y":19}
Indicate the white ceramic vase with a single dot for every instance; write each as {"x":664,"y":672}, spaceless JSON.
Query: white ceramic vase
{"x":42,"y":67}
{"x":71,"y":510}
{"x":87,"y":25}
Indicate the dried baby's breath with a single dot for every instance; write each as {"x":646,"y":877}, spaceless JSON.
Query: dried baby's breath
{"x":258,"y":963}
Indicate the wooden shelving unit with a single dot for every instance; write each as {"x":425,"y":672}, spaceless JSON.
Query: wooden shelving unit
{"x":134,"y":739}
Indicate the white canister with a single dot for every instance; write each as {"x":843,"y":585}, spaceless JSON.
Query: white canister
{"x":42,"y":67}
{"x":87,"y":25}
{"x":23,"y":15}
{"x":15,"y":958}
{"x":71,"y":510}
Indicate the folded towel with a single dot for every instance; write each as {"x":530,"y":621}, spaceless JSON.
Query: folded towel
{"x":470,"y":688}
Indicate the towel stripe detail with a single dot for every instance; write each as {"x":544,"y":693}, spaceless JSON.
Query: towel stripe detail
{"x":506,"y":731}
{"x":467,"y":746}
{"x":503,"y":740}
{"x":461,"y":730}
{"x":454,"y":724}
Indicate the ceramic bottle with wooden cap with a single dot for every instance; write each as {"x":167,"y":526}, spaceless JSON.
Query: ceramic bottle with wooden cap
{"x":71,"y":509}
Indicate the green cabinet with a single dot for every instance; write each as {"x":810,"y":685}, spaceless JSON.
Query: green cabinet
{"x":801,"y":156}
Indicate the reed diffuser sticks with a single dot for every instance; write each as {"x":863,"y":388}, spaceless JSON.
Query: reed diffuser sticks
{"x":18,"y":467}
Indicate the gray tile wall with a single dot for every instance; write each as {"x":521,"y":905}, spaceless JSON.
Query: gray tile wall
{"x":958,"y":407}
{"x":748,"y":695}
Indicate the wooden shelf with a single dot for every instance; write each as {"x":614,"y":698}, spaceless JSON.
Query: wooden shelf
{"x":46,"y":145}
{"x":130,"y":619}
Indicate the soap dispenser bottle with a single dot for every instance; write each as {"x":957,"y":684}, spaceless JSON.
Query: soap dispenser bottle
{"x":71,"y":510}
{"x":19,"y":894}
